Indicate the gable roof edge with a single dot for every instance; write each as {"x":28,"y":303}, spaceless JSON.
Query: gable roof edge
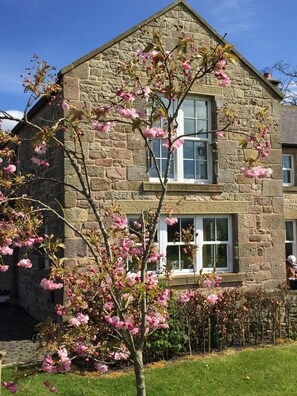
{"x":120,"y":37}
{"x":146,"y":21}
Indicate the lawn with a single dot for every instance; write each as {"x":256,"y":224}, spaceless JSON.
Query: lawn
{"x":261,"y":371}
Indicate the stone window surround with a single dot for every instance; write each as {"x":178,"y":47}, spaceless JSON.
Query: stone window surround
{"x":130,"y":207}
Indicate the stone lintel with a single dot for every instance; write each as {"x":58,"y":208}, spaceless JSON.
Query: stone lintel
{"x":186,"y":207}
{"x":184,"y":187}
{"x":290,"y":215}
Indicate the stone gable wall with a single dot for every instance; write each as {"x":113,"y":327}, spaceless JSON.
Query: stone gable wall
{"x":118,"y":165}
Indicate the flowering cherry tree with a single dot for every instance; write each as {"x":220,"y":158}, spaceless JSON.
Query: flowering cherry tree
{"x":115,"y":302}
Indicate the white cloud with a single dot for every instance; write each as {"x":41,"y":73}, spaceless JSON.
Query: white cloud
{"x":7,"y":125}
{"x":233,"y":16}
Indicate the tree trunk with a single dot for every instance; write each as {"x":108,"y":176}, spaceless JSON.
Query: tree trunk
{"x":139,"y":373}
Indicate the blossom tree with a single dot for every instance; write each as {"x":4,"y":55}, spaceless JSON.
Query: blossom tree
{"x":115,"y":302}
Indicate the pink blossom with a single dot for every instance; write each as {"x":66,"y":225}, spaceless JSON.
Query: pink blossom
{"x":127,"y":113}
{"x":24,"y":263}
{"x":143,"y":92}
{"x":108,"y":305}
{"x":10,"y":386}
{"x":10,"y":168}
{"x":256,"y":171}
{"x":177,"y":144}
{"x":224,"y":79}
{"x":119,"y":355}
{"x":48,"y":284}
{"x":6,"y":250}
{"x":165,"y":145}
{"x":39,"y":162}
{"x":83,"y":318}
{"x":40,"y":148}
{"x":80,"y":348}
{"x":186,"y":66}
{"x":218,"y":280}
{"x":155,"y":132}
{"x":212,"y":298}
{"x":126,"y":96}
{"x":220,"y":134}
{"x":102,"y":368}
{"x":185,"y":297}
{"x":136,"y":224}
{"x":65,"y":106}
{"x":265,"y":154}
{"x":60,"y":309}
{"x":208,"y":283}
{"x":221,"y":65}
{"x":103,"y":126}
{"x":74,"y":322}
{"x":171,"y":220}
{"x":120,"y":221}
{"x":3,"y":268}
{"x":48,"y":365}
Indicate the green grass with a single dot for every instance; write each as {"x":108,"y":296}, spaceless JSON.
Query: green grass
{"x":261,"y":371}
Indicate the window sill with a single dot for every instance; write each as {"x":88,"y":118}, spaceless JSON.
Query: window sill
{"x":288,"y":189}
{"x":184,"y":187}
{"x":185,"y":280}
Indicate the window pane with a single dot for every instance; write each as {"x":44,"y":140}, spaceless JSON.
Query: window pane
{"x":172,"y":255}
{"x":201,"y":150}
{"x":201,"y":126}
{"x":189,"y":126}
{"x":188,"y":107}
{"x":186,"y":261}
{"x":208,"y":255}
{"x":221,"y":256}
{"x":222,"y":229}
{"x":201,"y":109}
{"x":289,"y":249}
{"x":201,"y":171}
{"x":173,"y":232}
{"x":287,"y":161}
{"x":287,"y":176}
{"x":189,"y":170}
{"x":289,"y":231}
{"x":187,"y":224}
{"x":208,"y":229}
{"x":161,"y":158}
{"x":188,"y":149}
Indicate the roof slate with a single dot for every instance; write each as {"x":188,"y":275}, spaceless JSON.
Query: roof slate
{"x":289,"y":124}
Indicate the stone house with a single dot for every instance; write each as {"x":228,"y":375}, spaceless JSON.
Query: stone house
{"x":239,"y":221}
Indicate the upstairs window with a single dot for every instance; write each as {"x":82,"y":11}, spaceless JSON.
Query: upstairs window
{"x":288,"y":170}
{"x":192,"y":162}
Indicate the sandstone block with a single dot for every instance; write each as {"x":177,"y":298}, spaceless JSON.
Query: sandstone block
{"x":100,"y":184}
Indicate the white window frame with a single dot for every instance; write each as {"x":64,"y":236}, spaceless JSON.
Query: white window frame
{"x":199,"y":241}
{"x":292,"y":242}
{"x":178,"y":156}
{"x":291,"y":170}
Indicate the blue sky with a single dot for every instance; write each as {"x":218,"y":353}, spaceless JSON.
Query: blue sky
{"x":61,"y":31}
